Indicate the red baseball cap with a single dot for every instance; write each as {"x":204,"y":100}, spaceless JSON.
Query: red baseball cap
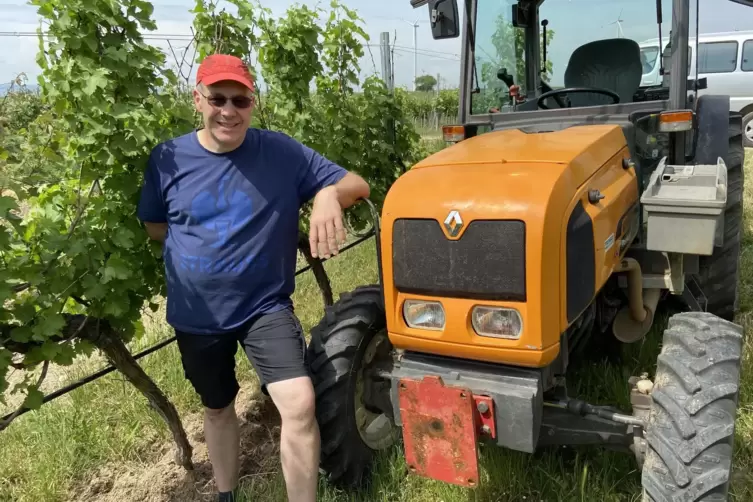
{"x":218,"y":67}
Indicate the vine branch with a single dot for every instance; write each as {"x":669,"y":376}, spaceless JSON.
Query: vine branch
{"x":42,"y":376}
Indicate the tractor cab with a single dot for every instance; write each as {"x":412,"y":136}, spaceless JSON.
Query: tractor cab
{"x":569,"y":67}
{"x":600,"y":72}
{"x":558,"y":63}
{"x":582,"y":53}
{"x":548,"y":65}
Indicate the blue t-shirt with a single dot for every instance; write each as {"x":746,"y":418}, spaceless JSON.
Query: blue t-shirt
{"x":231,"y":245}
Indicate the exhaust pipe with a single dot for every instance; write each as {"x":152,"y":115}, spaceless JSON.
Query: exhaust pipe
{"x":634,"y":321}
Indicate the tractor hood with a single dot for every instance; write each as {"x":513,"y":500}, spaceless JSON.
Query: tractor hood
{"x":486,"y":220}
{"x":584,"y":148}
{"x":509,"y":175}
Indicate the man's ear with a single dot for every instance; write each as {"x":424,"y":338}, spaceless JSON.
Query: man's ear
{"x":197,"y":98}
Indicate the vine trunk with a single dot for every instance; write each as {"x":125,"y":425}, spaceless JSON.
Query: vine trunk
{"x":120,"y":357}
{"x":318,"y":270}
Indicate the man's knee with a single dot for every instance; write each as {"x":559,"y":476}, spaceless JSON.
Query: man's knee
{"x":295,"y":400}
{"x":303,"y":410}
{"x":220,"y":415}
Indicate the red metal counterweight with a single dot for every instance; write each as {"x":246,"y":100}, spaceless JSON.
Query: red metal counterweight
{"x":441,"y":428}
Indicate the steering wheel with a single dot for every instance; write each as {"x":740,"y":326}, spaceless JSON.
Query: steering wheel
{"x":547,"y":88}
{"x":569,"y":90}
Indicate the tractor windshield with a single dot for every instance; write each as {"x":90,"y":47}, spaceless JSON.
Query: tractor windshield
{"x":568,"y":25}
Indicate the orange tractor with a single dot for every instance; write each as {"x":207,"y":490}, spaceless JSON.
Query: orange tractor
{"x":557,"y":216}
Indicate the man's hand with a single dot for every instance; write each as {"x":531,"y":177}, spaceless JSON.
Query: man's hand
{"x":327,"y":232}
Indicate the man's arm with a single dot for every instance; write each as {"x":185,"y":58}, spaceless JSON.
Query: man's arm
{"x":332,"y":189}
{"x":151,"y":209}
{"x":348,"y":190}
{"x":156,"y":231}
{"x":327,"y":231}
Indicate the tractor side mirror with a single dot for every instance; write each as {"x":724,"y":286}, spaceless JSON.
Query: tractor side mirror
{"x":443,"y":15}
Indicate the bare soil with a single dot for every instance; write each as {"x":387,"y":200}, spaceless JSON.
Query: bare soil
{"x":159,"y":479}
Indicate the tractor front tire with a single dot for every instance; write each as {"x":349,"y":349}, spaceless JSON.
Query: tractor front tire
{"x":346,"y":341}
{"x":691,"y":427}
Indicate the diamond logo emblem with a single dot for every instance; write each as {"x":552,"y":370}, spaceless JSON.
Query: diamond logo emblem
{"x":453,"y":223}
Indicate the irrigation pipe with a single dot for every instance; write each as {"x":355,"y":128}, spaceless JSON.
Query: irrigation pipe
{"x":154,"y":348}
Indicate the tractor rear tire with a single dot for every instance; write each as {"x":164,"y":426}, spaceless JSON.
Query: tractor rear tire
{"x":748,"y":130}
{"x":337,"y":355}
{"x":691,"y":427}
{"x":718,"y":273}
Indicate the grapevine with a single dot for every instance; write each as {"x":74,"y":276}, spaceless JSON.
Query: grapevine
{"x":76,"y":267}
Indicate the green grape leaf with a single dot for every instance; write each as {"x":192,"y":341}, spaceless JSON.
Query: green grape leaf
{"x":50,"y":350}
{"x":65,"y":355}
{"x":116,"y":268}
{"x":123,"y":238}
{"x":34,"y":399}
{"x":21,"y":334}
{"x":6,"y":204}
{"x":94,"y":82}
{"x":117,"y":304}
{"x":49,"y":325}
{"x":6,"y":357}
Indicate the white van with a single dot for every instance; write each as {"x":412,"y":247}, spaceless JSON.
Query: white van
{"x":726,"y":61}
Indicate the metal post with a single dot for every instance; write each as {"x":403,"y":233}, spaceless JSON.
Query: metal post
{"x":532,"y":55}
{"x":384,"y":51}
{"x":415,"y":54}
{"x":467,"y":57}
{"x":678,"y":77}
{"x":436,"y":112}
{"x":384,"y":47}
{"x":415,"y":50}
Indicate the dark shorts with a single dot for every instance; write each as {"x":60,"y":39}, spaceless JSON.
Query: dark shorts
{"x":274,"y":344}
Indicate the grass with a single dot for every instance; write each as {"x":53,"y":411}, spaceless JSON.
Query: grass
{"x":51,"y":454}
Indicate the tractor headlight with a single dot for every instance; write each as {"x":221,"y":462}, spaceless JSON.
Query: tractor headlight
{"x":423,"y":315}
{"x":497,"y":322}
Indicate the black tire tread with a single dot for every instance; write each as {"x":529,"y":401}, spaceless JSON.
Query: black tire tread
{"x":690,"y":434}
{"x":718,"y":273}
{"x":332,"y":352}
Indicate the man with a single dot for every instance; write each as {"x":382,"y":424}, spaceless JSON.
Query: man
{"x":225,"y":201}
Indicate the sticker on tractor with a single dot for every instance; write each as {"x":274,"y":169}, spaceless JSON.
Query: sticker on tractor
{"x":609,"y":243}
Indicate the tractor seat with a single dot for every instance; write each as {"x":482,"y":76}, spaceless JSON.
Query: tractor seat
{"x":613,"y":64}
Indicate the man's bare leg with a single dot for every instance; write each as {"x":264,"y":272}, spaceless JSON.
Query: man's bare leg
{"x":223,"y":442}
{"x":299,"y":442}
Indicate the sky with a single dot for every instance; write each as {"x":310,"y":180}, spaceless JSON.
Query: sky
{"x":18,"y":54}
{"x":574,"y":22}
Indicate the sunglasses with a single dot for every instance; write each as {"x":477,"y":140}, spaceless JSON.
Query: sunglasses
{"x":240,"y":102}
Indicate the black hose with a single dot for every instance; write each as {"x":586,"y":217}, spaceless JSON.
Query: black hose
{"x":345,"y":248}
{"x":92,"y":377}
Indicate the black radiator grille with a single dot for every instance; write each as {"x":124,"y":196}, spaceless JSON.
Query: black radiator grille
{"x":487,"y":262}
